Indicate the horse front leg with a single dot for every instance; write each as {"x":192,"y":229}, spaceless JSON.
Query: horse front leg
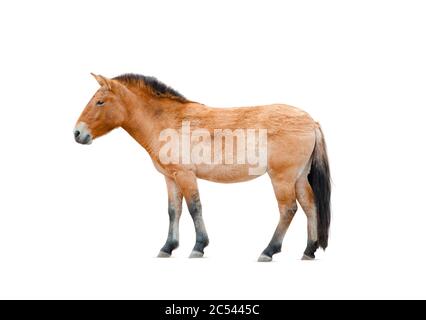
{"x":187,"y":182}
{"x":175,"y":211}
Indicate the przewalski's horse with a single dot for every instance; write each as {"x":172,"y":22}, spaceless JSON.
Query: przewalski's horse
{"x":295,"y":152}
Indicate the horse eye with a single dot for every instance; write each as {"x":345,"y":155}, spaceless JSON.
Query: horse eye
{"x":100,"y":103}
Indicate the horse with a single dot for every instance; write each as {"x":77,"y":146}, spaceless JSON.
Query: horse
{"x":156,"y":115}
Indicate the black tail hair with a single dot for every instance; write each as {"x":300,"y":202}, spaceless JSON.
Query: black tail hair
{"x":319,"y":179}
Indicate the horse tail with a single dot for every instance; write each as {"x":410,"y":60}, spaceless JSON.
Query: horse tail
{"x":319,"y":179}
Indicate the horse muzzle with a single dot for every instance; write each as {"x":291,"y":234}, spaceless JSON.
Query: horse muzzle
{"x":82,"y":134}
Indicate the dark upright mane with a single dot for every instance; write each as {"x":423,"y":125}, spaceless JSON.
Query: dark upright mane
{"x":155,"y":86}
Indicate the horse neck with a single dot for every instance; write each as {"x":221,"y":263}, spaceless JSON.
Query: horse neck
{"x":147,"y":117}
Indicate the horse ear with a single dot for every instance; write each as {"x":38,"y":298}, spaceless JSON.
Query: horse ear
{"x":103,"y":82}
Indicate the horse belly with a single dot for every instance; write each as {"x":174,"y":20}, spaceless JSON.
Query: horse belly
{"x":230,"y":173}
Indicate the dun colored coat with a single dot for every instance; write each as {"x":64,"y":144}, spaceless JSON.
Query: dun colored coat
{"x":296,"y":153}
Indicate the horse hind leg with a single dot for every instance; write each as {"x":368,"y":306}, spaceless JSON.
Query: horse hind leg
{"x":306,"y":198}
{"x":285,"y":194}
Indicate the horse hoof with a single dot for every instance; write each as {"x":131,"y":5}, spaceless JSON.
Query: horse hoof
{"x":196,"y":254}
{"x":163,"y":254}
{"x":264,"y":258}
{"x":305,"y":257}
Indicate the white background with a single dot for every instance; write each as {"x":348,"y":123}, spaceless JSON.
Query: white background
{"x":87,"y":221}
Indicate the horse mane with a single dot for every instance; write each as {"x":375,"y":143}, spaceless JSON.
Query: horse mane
{"x":154,"y":86}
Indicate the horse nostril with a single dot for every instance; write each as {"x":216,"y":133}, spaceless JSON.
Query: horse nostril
{"x":76,"y":133}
